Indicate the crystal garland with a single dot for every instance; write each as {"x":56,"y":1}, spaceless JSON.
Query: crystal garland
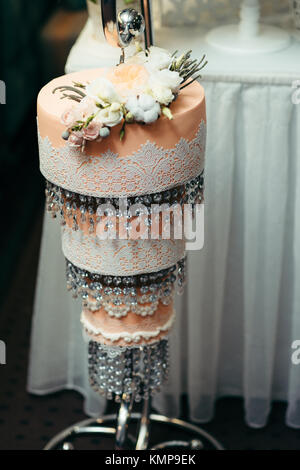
{"x":121,"y":295}
{"x":136,"y":372}
{"x":69,"y":205}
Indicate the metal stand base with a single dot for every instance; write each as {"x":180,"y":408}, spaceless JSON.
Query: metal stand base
{"x":200,"y":439}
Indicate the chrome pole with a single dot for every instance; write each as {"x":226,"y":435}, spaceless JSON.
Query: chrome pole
{"x":122,"y":422}
{"x":144,"y":431}
{"x":147,"y":14}
{"x":109,"y":22}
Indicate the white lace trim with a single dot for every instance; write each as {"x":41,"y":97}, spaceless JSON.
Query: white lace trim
{"x":128,"y":337}
{"x":114,"y":350}
{"x":149,"y":170}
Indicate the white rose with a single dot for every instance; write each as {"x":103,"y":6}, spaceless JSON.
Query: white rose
{"x":163,"y":84}
{"x":168,"y":79}
{"x":140,"y":58}
{"x":110,"y":116}
{"x":162,"y":94}
{"x":102,"y":91}
{"x":159,"y":58}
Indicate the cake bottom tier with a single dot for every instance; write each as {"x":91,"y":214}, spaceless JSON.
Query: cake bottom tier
{"x":131,"y":330}
{"x":128,"y":356}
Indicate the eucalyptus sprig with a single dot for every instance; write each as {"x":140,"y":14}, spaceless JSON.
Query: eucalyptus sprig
{"x":76,"y":95}
{"x":187,"y":68}
{"x":79,"y":85}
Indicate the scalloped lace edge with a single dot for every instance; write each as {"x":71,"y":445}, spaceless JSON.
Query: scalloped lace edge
{"x":124,"y":335}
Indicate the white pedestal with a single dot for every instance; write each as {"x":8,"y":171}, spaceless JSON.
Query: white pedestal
{"x":230,"y":39}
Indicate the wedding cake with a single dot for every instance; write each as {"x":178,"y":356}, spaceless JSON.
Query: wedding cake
{"x":122,"y":149}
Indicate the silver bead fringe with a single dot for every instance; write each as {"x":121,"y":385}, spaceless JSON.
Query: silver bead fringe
{"x":125,"y":293}
{"x":128,"y":372}
{"x":67,"y":204}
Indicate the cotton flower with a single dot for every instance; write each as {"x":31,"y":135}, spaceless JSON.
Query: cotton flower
{"x":102,"y":91}
{"x":144,"y":108}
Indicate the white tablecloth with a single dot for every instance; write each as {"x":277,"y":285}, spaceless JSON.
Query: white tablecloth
{"x":241,"y":310}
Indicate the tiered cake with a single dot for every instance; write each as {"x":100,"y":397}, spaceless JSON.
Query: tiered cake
{"x":116,"y":160}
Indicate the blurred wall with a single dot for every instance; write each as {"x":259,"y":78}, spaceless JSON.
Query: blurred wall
{"x":212,"y":12}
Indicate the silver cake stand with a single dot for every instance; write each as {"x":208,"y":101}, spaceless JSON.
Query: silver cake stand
{"x":199,"y":439}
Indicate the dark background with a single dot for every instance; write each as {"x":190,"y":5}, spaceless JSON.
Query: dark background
{"x":35,"y":38}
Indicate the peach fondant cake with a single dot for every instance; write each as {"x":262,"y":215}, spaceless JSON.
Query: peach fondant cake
{"x":120,"y":150}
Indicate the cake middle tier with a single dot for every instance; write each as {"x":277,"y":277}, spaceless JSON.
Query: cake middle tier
{"x":120,"y":257}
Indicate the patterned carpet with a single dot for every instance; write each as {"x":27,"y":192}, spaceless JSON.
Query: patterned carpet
{"x":28,"y":422}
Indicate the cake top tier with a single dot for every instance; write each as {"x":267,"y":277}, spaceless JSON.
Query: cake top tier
{"x":126,"y":133}
{"x":188,"y":112}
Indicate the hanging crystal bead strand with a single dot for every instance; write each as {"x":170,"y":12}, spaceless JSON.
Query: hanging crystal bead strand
{"x":116,"y":372}
{"x":181,"y":277}
{"x":51,"y":200}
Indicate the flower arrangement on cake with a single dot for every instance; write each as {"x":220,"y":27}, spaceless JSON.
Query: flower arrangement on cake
{"x":140,"y":90}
